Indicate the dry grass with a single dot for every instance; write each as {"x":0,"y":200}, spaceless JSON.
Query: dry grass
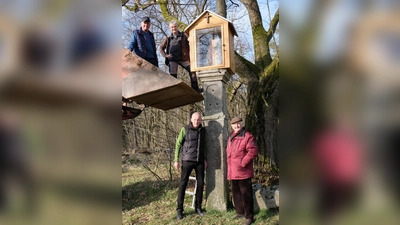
{"x":146,"y":200}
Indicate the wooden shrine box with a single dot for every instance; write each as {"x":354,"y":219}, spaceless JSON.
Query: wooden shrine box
{"x":211,"y":43}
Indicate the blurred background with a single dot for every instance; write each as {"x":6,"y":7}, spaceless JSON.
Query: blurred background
{"x":60,"y":127}
{"x":340,"y":102}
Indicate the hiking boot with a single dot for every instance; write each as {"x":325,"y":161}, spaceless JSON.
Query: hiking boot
{"x":194,"y":84}
{"x":179,"y":215}
{"x":199,"y":211}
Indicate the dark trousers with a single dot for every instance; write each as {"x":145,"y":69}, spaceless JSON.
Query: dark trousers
{"x":187,"y":168}
{"x":242,"y":192}
{"x":173,"y":70}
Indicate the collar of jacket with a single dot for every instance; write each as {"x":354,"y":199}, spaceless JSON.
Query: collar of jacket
{"x":141,"y":31}
{"x":192,"y":128}
{"x":178,"y":35}
{"x":238,"y":134}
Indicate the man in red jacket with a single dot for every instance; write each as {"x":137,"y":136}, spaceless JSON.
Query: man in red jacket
{"x":241,"y":150}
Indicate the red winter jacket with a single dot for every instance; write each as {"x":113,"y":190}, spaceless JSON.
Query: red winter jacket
{"x":241,"y":151}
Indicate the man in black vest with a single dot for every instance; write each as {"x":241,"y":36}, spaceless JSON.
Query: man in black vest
{"x":191,"y":144}
{"x":175,"y":50}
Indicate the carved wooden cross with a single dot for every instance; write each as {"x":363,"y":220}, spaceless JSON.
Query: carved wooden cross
{"x":208,"y":17}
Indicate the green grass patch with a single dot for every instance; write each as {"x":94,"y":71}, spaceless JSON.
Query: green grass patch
{"x":146,"y":200}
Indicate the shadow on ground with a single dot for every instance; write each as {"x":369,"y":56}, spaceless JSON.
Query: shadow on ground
{"x":142,"y":193}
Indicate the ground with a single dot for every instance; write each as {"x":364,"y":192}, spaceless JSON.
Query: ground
{"x":148,"y":199}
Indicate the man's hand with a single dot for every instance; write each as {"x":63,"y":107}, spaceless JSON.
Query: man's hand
{"x":176,"y":165}
{"x":169,"y":56}
{"x":205,"y":164}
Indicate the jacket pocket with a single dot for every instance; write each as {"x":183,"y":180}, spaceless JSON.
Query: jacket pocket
{"x":241,"y":164}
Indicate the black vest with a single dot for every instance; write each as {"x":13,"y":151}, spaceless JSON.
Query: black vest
{"x":193,"y":147}
{"x":175,"y":47}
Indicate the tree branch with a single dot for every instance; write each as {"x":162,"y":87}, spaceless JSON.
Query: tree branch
{"x":246,"y":69}
{"x":234,"y":4}
{"x":235,"y":89}
{"x":124,"y":2}
{"x":137,"y":5}
{"x":272,"y":26}
{"x":151,"y":171}
{"x":271,"y":70}
{"x":168,"y":16}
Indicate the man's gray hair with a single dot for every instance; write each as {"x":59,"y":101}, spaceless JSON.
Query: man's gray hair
{"x":173,"y":22}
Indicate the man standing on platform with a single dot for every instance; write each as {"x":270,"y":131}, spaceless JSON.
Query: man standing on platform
{"x":191,"y":144}
{"x":142,"y":43}
{"x":177,"y":53}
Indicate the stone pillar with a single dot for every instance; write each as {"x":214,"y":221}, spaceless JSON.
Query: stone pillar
{"x":216,"y":122}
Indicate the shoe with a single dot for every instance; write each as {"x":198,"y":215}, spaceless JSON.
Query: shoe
{"x":179,"y":215}
{"x":199,"y":211}
{"x":248,"y":221}
{"x":199,"y":90}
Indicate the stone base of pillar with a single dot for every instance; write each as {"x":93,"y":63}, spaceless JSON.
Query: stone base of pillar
{"x":217,"y":193}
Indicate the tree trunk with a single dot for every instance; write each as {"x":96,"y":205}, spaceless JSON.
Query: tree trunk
{"x":221,"y":8}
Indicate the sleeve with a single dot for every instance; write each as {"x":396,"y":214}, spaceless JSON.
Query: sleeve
{"x":186,"y":36}
{"x":252,"y":151}
{"x":163,"y":46}
{"x":179,"y":143}
{"x":133,"y":42}
{"x":155,"y":48}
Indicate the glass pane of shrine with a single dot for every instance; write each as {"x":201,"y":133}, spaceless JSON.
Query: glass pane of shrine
{"x":208,"y":47}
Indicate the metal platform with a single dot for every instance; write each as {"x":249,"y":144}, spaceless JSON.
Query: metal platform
{"x":146,"y":84}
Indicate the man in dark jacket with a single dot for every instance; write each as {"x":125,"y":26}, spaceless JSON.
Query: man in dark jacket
{"x":142,"y":43}
{"x":240,"y":151}
{"x":191,"y":143}
{"x":177,"y":53}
